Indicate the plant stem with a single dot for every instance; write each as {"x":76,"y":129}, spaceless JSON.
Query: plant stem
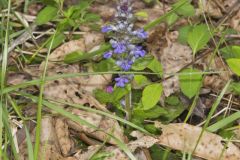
{"x":128,"y":100}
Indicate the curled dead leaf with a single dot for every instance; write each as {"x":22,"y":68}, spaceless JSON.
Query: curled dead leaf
{"x":183,"y":137}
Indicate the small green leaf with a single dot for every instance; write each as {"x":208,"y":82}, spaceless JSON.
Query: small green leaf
{"x":142,"y":63}
{"x":152,"y":113}
{"x":156,"y":67}
{"x":231,"y":52}
{"x":59,"y":38}
{"x":142,"y":14}
{"x":46,"y":15}
{"x":140,"y":81}
{"x":183,"y":34}
{"x":198,"y":37}
{"x":151,"y":95}
{"x":235,"y":87}
{"x":234,"y":64}
{"x":189,"y":83}
{"x":171,"y":19}
{"x":186,"y":10}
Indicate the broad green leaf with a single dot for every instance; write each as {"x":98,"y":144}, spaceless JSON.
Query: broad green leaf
{"x":79,"y":56}
{"x":141,"y":80}
{"x":59,"y":38}
{"x":231,"y":52}
{"x":171,"y":19}
{"x":235,"y":87}
{"x":234,"y":64}
{"x":142,"y":63}
{"x":190,"y":83}
{"x":46,"y":15}
{"x":91,"y":17}
{"x":151,"y":95}
{"x":156,"y":66}
{"x":198,"y":37}
{"x":186,"y":10}
{"x":183,"y":34}
{"x":152,"y":113}
{"x":104,"y":66}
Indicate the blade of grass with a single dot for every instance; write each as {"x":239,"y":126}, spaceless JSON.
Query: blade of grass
{"x":110,"y":115}
{"x":39,"y":110}
{"x":213,"y":109}
{"x":77,"y":119}
{"x":72,"y":75}
{"x":29,"y":145}
{"x":3,"y":74}
{"x":8,"y":131}
{"x":222,"y":123}
{"x":163,"y":17}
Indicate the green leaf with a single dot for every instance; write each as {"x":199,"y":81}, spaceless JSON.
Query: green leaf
{"x":198,"y":37}
{"x":104,"y":66}
{"x":230,"y":52}
{"x":140,"y":81}
{"x":151,"y":95}
{"x":186,"y":10}
{"x":152,"y":113}
{"x":79,"y":55}
{"x":59,"y":39}
{"x":171,"y":19}
{"x":142,"y":14}
{"x":91,"y":17}
{"x":46,"y":15}
{"x":235,"y":87}
{"x":156,"y":67}
{"x":142,"y":63}
{"x":234,"y":64}
{"x":183,"y":34}
{"x":189,"y":83}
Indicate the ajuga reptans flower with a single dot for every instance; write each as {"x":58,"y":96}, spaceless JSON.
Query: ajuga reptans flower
{"x":125,"y":41}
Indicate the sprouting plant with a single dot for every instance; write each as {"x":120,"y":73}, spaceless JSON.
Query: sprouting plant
{"x":125,"y":41}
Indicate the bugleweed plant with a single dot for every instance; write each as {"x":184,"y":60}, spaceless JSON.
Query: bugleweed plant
{"x":125,"y":41}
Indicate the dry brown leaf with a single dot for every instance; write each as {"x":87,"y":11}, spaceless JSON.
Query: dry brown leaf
{"x":175,"y":56}
{"x":235,"y":22}
{"x":49,"y":148}
{"x":108,"y":125}
{"x":62,"y":132}
{"x":180,"y":136}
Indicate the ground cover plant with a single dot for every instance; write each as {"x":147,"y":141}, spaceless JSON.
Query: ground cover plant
{"x":120,"y":79}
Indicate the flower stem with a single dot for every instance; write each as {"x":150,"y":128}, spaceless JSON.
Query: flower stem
{"x":128,"y":100}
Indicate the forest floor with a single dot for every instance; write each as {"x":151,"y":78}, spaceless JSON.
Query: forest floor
{"x":60,"y":99}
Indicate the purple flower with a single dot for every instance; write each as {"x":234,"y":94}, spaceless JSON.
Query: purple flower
{"x":121,"y":81}
{"x":107,"y":29}
{"x":119,"y":47}
{"x":138,"y":52}
{"x":125,"y":64}
{"x":108,"y":54}
{"x":140,"y":33}
{"x":109,"y":89}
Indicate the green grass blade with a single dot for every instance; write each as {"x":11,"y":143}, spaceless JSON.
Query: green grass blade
{"x":212,"y":111}
{"x":163,"y":17}
{"x":222,"y":123}
{"x":29,"y":145}
{"x":39,"y":110}
{"x":3,"y":74}
{"x":110,"y":115}
{"x":9,"y":132}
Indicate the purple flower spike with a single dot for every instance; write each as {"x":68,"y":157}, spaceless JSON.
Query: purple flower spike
{"x":108,"y":54}
{"x":107,"y":29}
{"x":125,"y":64}
{"x":119,"y":48}
{"x":138,"y":52}
{"x":141,"y":34}
{"x":121,"y":81}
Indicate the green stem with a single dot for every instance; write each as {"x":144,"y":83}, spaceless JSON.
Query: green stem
{"x":128,"y":99}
